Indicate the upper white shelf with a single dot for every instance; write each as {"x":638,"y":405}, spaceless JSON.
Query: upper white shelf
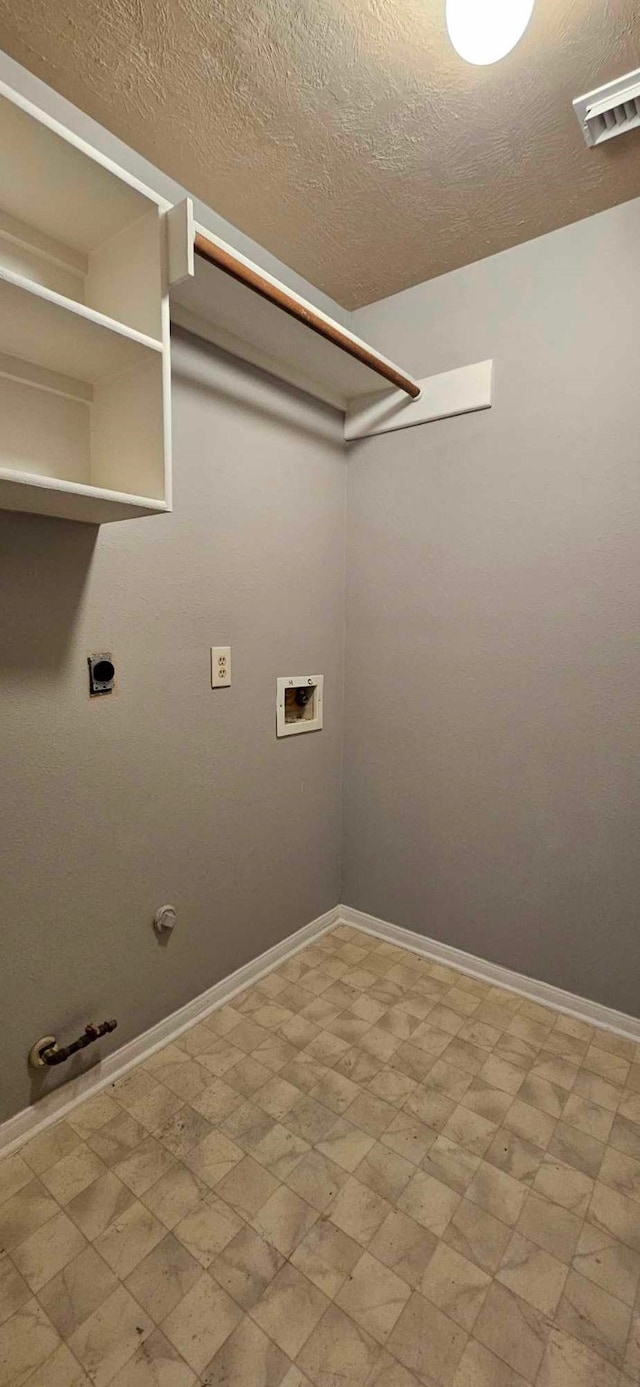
{"x":85,"y":379}
{"x":41,"y":326}
{"x":48,"y":182}
{"x":208,"y":301}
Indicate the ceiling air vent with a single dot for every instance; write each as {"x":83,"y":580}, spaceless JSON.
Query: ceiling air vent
{"x":610,"y":110}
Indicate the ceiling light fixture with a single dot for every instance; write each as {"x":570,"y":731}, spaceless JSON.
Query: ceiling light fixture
{"x":483,"y":31}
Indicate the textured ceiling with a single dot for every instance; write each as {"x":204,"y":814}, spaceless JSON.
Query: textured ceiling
{"x":346,"y":135}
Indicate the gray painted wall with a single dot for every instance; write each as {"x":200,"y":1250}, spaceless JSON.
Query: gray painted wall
{"x":167,"y":790}
{"x":493,"y":660}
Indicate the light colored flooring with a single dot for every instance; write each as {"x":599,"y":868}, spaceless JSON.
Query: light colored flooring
{"x":367,"y":1171}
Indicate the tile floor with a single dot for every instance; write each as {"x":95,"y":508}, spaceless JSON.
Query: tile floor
{"x":367,"y":1171}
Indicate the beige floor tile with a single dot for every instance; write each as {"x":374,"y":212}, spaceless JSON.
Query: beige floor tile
{"x":183,"y":1130}
{"x":390,"y":1373}
{"x":530,"y":1123}
{"x":466,"y":1057}
{"x":15,"y":1174}
{"x":277,"y":1149}
{"x":213,"y":1158}
{"x":555,"y":1069}
{"x":409,"y":1137}
{"x":60,"y":1370}
{"x":26,"y":1341}
{"x":427,"y":1342}
{"x":72,"y":1174}
{"x":50,"y":1147}
{"x":335,"y":1090}
{"x":608,"y":1263}
{"x":383,"y":1171}
{"x":358,"y":1211}
{"x":373,"y":1296}
{"x":200,"y":1323}
{"x":413,"y":1061}
{"x":540,"y":1093}
{"x":533,"y":1274}
{"x":317,"y":1179}
{"x":139,"y":1084}
{"x":326,"y":1256}
{"x":392,"y":1086}
{"x":456,"y":1285}
{"x":100,"y":1204}
{"x":14,"y":1291}
{"x":513,"y":1330}
{"x":553,"y":1228}
{"x":246,"y":1266}
{"x":310,"y":1120}
{"x":478,"y":1235}
{"x":148,"y":1163}
{"x":187,"y":1080}
{"x":470,"y":1130}
{"x":156,"y":1109}
{"x":480,"y":1368}
{"x":165,"y":1276}
{"x":487,"y":1102}
{"x":444,"y":1078}
{"x":450,"y":1163}
{"x":625,"y":1136}
{"x":598,"y":1319}
{"x":129,"y":1238}
{"x":497,"y":1193}
{"x":515,"y":1156}
{"x":404,"y":1246}
{"x":588,"y":1117}
{"x":90,"y":1116}
{"x":632,"y":1356}
{"x":370,"y":1114}
{"x":247,"y":1357}
{"x":338,"y":1351}
{"x":247,"y":1187}
{"x":563,"y":1185}
{"x":577,"y":1149}
{"x":174,"y":1195}
{"x":284,"y":1220}
{"x":598,"y":1090}
{"x":117,"y":1138}
{"x":501,"y":1074}
{"x":243,"y":1078}
{"x":630,"y":1106}
{"x":568,"y":1363}
{"x":516,"y":1051}
{"x":23,"y":1213}
{"x":110,"y":1336}
{"x":156,"y":1364}
{"x":432,"y":1108}
{"x":47,"y":1251}
{"x":346,"y":1144}
{"x":429,"y":1202}
{"x":79,"y":1289}
{"x":618,"y":1214}
{"x":207,"y":1229}
{"x":621,"y":1173}
{"x":290,"y":1309}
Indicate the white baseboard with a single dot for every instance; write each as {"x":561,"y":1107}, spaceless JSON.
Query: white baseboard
{"x":594,"y":1013}
{"x":56,"y":1105}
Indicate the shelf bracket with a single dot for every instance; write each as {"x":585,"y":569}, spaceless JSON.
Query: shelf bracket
{"x":463,"y":391}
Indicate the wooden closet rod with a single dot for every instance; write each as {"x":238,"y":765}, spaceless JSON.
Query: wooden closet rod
{"x":230,"y":265}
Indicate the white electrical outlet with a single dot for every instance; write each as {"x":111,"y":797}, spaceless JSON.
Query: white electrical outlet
{"x":220,"y":666}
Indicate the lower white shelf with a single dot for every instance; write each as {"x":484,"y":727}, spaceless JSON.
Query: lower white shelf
{"x":83,"y":451}
{"x":39,"y":495}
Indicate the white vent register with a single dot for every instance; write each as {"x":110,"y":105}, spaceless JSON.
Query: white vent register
{"x":610,"y":110}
